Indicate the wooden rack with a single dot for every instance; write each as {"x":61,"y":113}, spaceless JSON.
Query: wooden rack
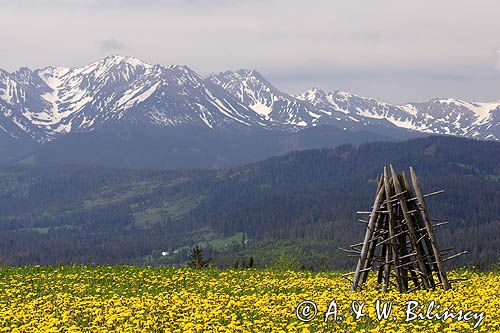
{"x":400,"y":243}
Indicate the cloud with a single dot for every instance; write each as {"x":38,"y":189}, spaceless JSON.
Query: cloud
{"x":111,"y":44}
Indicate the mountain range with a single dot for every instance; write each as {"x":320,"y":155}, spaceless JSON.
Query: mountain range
{"x":59,"y":108}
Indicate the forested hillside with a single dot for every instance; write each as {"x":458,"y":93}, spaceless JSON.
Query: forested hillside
{"x":302,"y":204}
{"x":186,"y":148}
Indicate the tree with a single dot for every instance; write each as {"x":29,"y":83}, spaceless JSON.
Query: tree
{"x":250,"y":263}
{"x":286,"y":262}
{"x":197,"y":260}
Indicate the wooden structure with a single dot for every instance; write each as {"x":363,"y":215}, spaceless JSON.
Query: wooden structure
{"x":400,"y":243}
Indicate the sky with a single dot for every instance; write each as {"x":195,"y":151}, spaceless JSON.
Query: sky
{"x":395,"y":51}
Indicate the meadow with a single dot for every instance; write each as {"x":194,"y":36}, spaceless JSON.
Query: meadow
{"x":148,"y":299}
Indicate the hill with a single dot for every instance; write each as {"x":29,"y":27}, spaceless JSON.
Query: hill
{"x":302,"y":203}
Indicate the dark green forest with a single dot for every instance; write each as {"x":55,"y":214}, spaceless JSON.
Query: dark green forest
{"x":301,"y":205}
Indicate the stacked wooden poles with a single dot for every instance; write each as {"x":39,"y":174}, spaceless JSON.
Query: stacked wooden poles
{"x":400,"y":241}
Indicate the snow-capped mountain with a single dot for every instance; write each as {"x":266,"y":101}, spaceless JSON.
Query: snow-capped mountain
{"x":49,"y":102}
{"x":20,"y":93}
{"x":349,"y":111}
{"x":250,"y":88}
{"x":294,"y":112}
{"x":438,"y":116}
{"x":354,"y":110}
{"x":457,"y":117}
{"x":44,"y":104}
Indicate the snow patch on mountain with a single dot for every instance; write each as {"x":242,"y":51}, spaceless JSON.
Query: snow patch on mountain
{"x":124,"y":91}
{"x":261,"y":108}
{"x":133,"y":97}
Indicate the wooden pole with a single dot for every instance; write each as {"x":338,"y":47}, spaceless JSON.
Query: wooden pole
{"x":401,"y":232}
{"x":392,"y":233}
{"x":368,"y":236}
{"x":373,"y":242}
{"x":406,"y":185}
{"x":430,"y":230}
{"x":387,"y":268}
{"x":409,"y":223}
{"x":371,"y":248}
{"x":418,"y":225}
{"x":382,"y":265}
{"x":369,"y":257}
{"x":426,"y":245}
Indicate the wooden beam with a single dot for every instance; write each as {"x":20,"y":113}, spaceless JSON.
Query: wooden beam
{"x":349,"y":251}
{"x":401,"y":241}
{"x":381,"y":267}
{"x":392,"y":232}
{"x":367,"y":212}
{"x":392,"y":237}
{"x":455,"y":255}
{"x":354,"y":273}
{"x":430,"y":230}
{"x":368,"y":236}
{"x":409,"y":223}
{"x":387,"y":268}
{"x":427,"y":195}
{"x":371,"y":251}
{"x":425,"y":246}
{"x":406,"y":186}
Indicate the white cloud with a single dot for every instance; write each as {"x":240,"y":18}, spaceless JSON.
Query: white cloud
{"x":111,"y":45}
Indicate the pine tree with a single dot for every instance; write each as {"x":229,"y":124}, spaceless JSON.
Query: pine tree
{"x":250,"y":263}
{"x":197,"y":260}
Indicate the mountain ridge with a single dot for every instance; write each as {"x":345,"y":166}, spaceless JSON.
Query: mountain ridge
{"x":45,"y":104}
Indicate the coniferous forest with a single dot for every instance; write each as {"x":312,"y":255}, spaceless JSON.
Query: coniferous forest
{"x":297,"y":208}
